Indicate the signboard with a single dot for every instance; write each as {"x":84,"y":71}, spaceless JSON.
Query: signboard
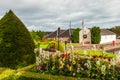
{"x":84,"y":36}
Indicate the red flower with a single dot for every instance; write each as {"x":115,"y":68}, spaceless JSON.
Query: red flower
{"x":104,"y":57}
{"x":109,"y":59}
{"x":68,"y":54}
{"x":95,"y":56}
{"x":62,"y":55}
{"x":65,"y":56}
{"x":100,"y":56}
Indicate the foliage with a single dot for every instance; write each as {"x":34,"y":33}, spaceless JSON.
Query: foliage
{"x":116,"y":30}
{"x":16,"y":44}
{"x":95,"y":35}
{"x":77,"y":66}
{"x":54,"y":45}
{"x":75,"y":36}
{"x":37,"y":35}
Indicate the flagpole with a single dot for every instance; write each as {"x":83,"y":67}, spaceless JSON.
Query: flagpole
{"x":83,"y":30}
{"x":71,"y":40}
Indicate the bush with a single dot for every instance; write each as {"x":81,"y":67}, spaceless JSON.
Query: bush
{"x":95,"y":35}
{"x":75,"y":35}
{"x":54,"y":44}
{"x":16,"y":44}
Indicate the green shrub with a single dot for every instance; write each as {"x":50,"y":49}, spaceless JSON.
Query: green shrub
{"x":95,"y":35}
{"x":54,"y":44}
{"x":75,"y":35}
{"x":16,"y":44}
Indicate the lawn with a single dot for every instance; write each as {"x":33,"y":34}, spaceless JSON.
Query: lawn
{"x":81,"y":52}
{"x":93,"y":53}
{"x":25,"y":74}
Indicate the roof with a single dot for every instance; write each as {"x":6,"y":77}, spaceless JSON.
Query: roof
{"x":106,"y":32}
{"x":66,"y":33}
{"x":54,"y":34}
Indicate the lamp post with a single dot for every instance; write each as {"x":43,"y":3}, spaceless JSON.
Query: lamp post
{"x":58,"y":38}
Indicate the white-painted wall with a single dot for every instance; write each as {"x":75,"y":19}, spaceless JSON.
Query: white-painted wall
{"x":87,"y":32}
{"x":107,"y":38}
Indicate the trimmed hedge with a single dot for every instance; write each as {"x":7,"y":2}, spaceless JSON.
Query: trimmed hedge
{"x":75,"y":35}
{"x":95,"y":35}
{"x":16,"y":44}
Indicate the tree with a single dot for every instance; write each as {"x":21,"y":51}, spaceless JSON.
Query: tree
{"x":75,"y":35}
{"x":16,"y":44}
{"x":116,"y":30}
{"x":95,"y":35}
{"x":37,"y":35}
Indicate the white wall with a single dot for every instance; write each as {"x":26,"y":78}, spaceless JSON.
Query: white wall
{"x":87,"y":32}
{"x":107,"y":38}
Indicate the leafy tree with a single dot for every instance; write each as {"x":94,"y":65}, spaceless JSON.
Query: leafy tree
{"x":75,"y":35}
{"x":116,"y":30}
{"x":37,"y":35}
{"x":16,"y":44}
{"x":95,"y":35}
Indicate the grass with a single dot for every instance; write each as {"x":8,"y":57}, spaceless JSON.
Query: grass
{"x":25,"y":74}
{"x":94,"y":52}
{"x":81,"y":52}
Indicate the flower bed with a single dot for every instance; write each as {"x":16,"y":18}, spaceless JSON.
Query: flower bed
{"x":96,"y":67}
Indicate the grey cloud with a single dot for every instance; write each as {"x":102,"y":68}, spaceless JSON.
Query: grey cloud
{"x":50,"y":14}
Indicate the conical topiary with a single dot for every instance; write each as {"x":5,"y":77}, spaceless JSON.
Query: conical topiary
{"x":16,"y":44}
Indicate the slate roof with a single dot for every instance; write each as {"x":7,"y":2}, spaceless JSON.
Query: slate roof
{"x":54,"y":34}
{"x":66,"y":33}
{"x":107,"y":32}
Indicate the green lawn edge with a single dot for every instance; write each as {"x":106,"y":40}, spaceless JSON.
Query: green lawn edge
{"x":23,"y":73}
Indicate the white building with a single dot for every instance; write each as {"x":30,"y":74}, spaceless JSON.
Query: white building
{"x":106,"y":36}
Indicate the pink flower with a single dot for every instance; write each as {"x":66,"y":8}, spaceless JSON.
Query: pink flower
{"x":46,"y":67}
{"x":39,"y":67}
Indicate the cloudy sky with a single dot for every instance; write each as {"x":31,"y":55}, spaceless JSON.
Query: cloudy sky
{"x":48,"y":15}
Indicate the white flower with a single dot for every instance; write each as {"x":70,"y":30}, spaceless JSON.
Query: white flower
{"x":82,"y":69}
{"x":98,"y":62}
{"x":88,"y":65}
{"x":35,"y":50}
{"x":113,"y":62}
{"x":103,"y":69}
{"x":78,"y":70}
{"x":88,"y":61}
{"x":74,"y":74}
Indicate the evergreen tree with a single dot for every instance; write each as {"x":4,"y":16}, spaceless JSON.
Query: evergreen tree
{"x":16,"y":44}
{"x":75,"y":36}
{"x":95,"y":35}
